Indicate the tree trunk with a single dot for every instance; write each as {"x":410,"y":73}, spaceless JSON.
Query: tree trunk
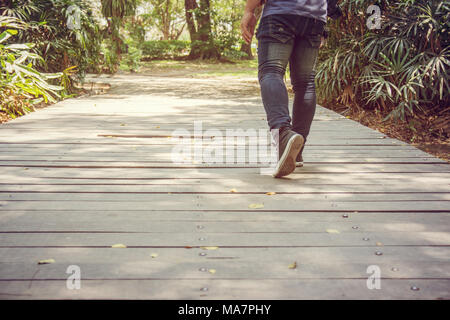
{"x":189,"y":6}
{"x":199,"y":26}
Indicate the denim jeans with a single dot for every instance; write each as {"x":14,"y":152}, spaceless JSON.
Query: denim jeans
{"x":294,"y":39}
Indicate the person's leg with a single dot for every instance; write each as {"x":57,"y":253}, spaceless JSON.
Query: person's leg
{"x":275,"y":43}
{"x":302,"y":64}
{"x":302,"y":67}
{"x":276,"y":35}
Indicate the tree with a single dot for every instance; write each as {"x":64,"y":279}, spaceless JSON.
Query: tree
{"x":168,"y":17}
{"x":198,"y":19}
{"x":116,"y":11}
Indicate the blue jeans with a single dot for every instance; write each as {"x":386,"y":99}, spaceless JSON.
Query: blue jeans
{"x":294,"y":39}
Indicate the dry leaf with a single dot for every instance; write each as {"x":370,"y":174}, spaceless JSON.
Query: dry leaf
{"x":271,"y":193}
{"x":256,"y":206}
{"x":188,"y":247}
{"x":154,"y":255}
{"x":379,"y":244}
{"x":157,"y":127}
{"x":118,"y":245}
{"x":212,"y":271}
{"x":233,"y":190}
{"x":332,"y":231}
{"x":46,"y":261}
{"x":209,"y":248}
{"x":293,"y":265}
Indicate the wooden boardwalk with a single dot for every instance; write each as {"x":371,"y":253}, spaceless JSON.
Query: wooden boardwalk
{"x":89,"y":173}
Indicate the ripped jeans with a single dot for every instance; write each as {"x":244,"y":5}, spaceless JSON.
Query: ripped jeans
{"x":294,"y":39}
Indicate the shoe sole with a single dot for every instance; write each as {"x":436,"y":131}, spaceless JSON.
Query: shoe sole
{"x":287,"y":164}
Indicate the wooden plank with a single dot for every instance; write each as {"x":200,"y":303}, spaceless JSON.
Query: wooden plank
{"x":310,"y":181}
{"x":304,"y":256}
{"x":172,"y":202}
{"x":201,"y":186}
{"x":48,"y":222}
{"x":239,"y":289}
{"x":196,"y":239}
{"x":243,"y":168}
{"x":258,"y":265}
{"x":227,"y":197}
{"x":201,"y":217}
{"x":157,"y":159}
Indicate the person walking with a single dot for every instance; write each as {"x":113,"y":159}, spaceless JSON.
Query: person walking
{"x":290,"y":31}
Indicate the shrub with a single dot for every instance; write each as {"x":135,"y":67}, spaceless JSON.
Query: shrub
{"x":400,"y":69}
{"x":21,"y":85}
{"x":60,"y":45}
{"x":165,"y":49}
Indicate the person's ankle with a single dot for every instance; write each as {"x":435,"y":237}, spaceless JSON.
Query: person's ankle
{"x":283,"y":129}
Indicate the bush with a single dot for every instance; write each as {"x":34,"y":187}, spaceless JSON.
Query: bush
{"x":21,"y":85}
{"x":60,"y":45}
{"x":165,"y":49}
{"x":399,"y":70}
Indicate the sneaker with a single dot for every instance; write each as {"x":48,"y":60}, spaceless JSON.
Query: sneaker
{"x":299,"y":160}
{"x":289,"y":146}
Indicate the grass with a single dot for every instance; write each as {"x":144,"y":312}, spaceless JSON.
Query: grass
{"x":200,"y":69}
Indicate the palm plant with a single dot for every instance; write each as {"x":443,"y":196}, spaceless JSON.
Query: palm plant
{"x":116,"y":11}
{"x":400,"y":70}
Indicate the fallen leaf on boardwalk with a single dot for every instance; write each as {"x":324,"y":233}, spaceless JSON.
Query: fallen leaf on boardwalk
{"x":157,"y":127}
{"x":154,"y":255}
{"x":293,"y":265}
{"x":212,"y":271}
{"x":379,"y":244}
{"x":209,"y":248}
{"x":233,"y":190}
{"x":118,"y":245}
{"x":256,"y":206}
{"x":188,"y":247}
{"x":122,"y":124}
{"x":271,"y":193}
{"x":46,"y":261}
{"x":332,"y":231}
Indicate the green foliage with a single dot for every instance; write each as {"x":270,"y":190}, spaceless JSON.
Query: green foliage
{"x":60,"y":45}
{"x":133,"y":58}
{"x":116,"y":12}
{"x":21,"y":85}
{"x":226,"y":17}
{"x":165,"y":49}
{"x":400,"y":69}
{"x":167,"y":16}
